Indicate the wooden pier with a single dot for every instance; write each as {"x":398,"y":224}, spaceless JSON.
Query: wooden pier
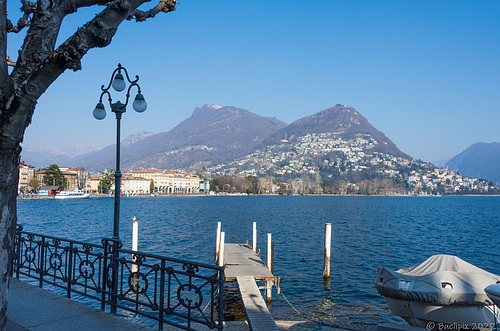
{"x":243,"y":265}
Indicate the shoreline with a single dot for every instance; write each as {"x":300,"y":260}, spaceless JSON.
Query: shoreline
{"x":94,"y":196}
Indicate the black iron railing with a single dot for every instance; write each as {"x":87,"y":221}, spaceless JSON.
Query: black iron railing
{"x":181,"y":293}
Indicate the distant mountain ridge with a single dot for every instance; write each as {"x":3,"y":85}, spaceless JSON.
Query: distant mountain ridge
{"x":341,"y":120}
{"x":43,"y":156}
{"x":480,"y":160}
{"x":132,"y":139}
{"x":215,"y":135}
{"x":211,"y":134}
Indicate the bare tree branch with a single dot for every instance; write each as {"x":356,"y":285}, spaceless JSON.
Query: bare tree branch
{"x":99,"y":31}
{"x":27,"y":8}
{"x":164,"y":6}
{"x":10,"y":63}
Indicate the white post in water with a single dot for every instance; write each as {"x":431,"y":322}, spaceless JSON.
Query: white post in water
{"x":135,"y":240}
{"x":269,"y":252}
{"x":254,"y":237}
{"x":328,"y":245}
{"x":269,"y":265}
{"x":221,"y":249}
{"x":217,"y":242}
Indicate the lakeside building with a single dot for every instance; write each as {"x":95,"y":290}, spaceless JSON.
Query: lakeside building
{"x":81,"y":176}
{"x":135,"y":185}
{"x":76,"y":178}
{"x":93,"y":184}
{"x":26,"y":174}
{"x":170,"y":182}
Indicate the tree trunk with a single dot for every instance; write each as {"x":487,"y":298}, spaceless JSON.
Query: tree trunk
{"x":36,"y":68}
{"x":9,"y":178}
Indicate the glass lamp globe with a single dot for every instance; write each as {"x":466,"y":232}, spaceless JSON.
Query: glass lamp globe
{"x":118,"y":82}
{"x":99,"y":112}
{"x":139,"y":104}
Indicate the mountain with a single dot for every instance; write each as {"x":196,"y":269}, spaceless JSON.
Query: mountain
{"x":340,"y":120}
{"x":211,"y":134}
{"x":215,"y":135}
{"x":481,"y":160}
{"x":133,"y":138}
{"x":40,"y":155}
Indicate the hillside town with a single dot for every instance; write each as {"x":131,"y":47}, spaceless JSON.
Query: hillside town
{"x":322,"y":163}
{"x":329,"y":163}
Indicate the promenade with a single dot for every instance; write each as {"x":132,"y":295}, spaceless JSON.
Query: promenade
{"x":32,"y":308}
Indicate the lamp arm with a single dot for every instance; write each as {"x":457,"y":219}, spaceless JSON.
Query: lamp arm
{"x":128,"y":78}
{"x":130,"y":87}
{"x":119,"y":69}
{"x":109,"y":97}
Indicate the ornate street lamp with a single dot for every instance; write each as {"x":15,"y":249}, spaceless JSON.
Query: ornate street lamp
{"x":118,"y":83}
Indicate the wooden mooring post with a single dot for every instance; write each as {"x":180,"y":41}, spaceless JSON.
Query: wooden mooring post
{"x":135,"y":240}
{"x":222,"y":248}
{"x":217,"y":242}
{"x":328,"y":245}
{"x":269,"y":284}
{"x":254,"y":237}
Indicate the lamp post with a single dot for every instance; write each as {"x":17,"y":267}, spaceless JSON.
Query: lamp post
{"x":118,"y":83}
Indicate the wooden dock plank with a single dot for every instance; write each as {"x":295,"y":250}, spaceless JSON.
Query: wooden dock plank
{"x":241,"y":260}
{"x":258,"y":316}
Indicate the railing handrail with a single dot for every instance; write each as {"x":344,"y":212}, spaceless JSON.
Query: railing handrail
{"x":62,"y":239}
{"x":151,"y":255}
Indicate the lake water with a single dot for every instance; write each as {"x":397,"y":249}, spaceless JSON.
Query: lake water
{"x":367,"y":232}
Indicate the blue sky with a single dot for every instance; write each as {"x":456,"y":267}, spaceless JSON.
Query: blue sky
{"x":426,"y":73}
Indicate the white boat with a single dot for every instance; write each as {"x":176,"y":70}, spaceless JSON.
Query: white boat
{"x":66,"y":195}
{"x":442,"y":290}
{"x":493,"y":292}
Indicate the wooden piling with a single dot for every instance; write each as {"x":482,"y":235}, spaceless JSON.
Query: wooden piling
{"x":135,"y":240}
{"x":269,"y":284}
{"x":221,"y":249}
{"x":328,"y":245}
{"x":135,"y":233}
{"x":254,"y":237}
{"x":217,"y":241}
{"x":269,"y":252}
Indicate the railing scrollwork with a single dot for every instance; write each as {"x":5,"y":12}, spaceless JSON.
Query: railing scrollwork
{"x":170,"y":291}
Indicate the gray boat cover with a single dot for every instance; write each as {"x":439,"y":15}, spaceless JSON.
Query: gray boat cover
{"x":441,"y":280}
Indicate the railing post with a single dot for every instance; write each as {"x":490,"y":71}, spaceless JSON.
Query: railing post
{"x":162,"y":295}
{"x":114,"y":285}
{"x":221,"y":298}
{"x":69,"y":267}
{"x":41,"y":262}
{"x":105,"y":243}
